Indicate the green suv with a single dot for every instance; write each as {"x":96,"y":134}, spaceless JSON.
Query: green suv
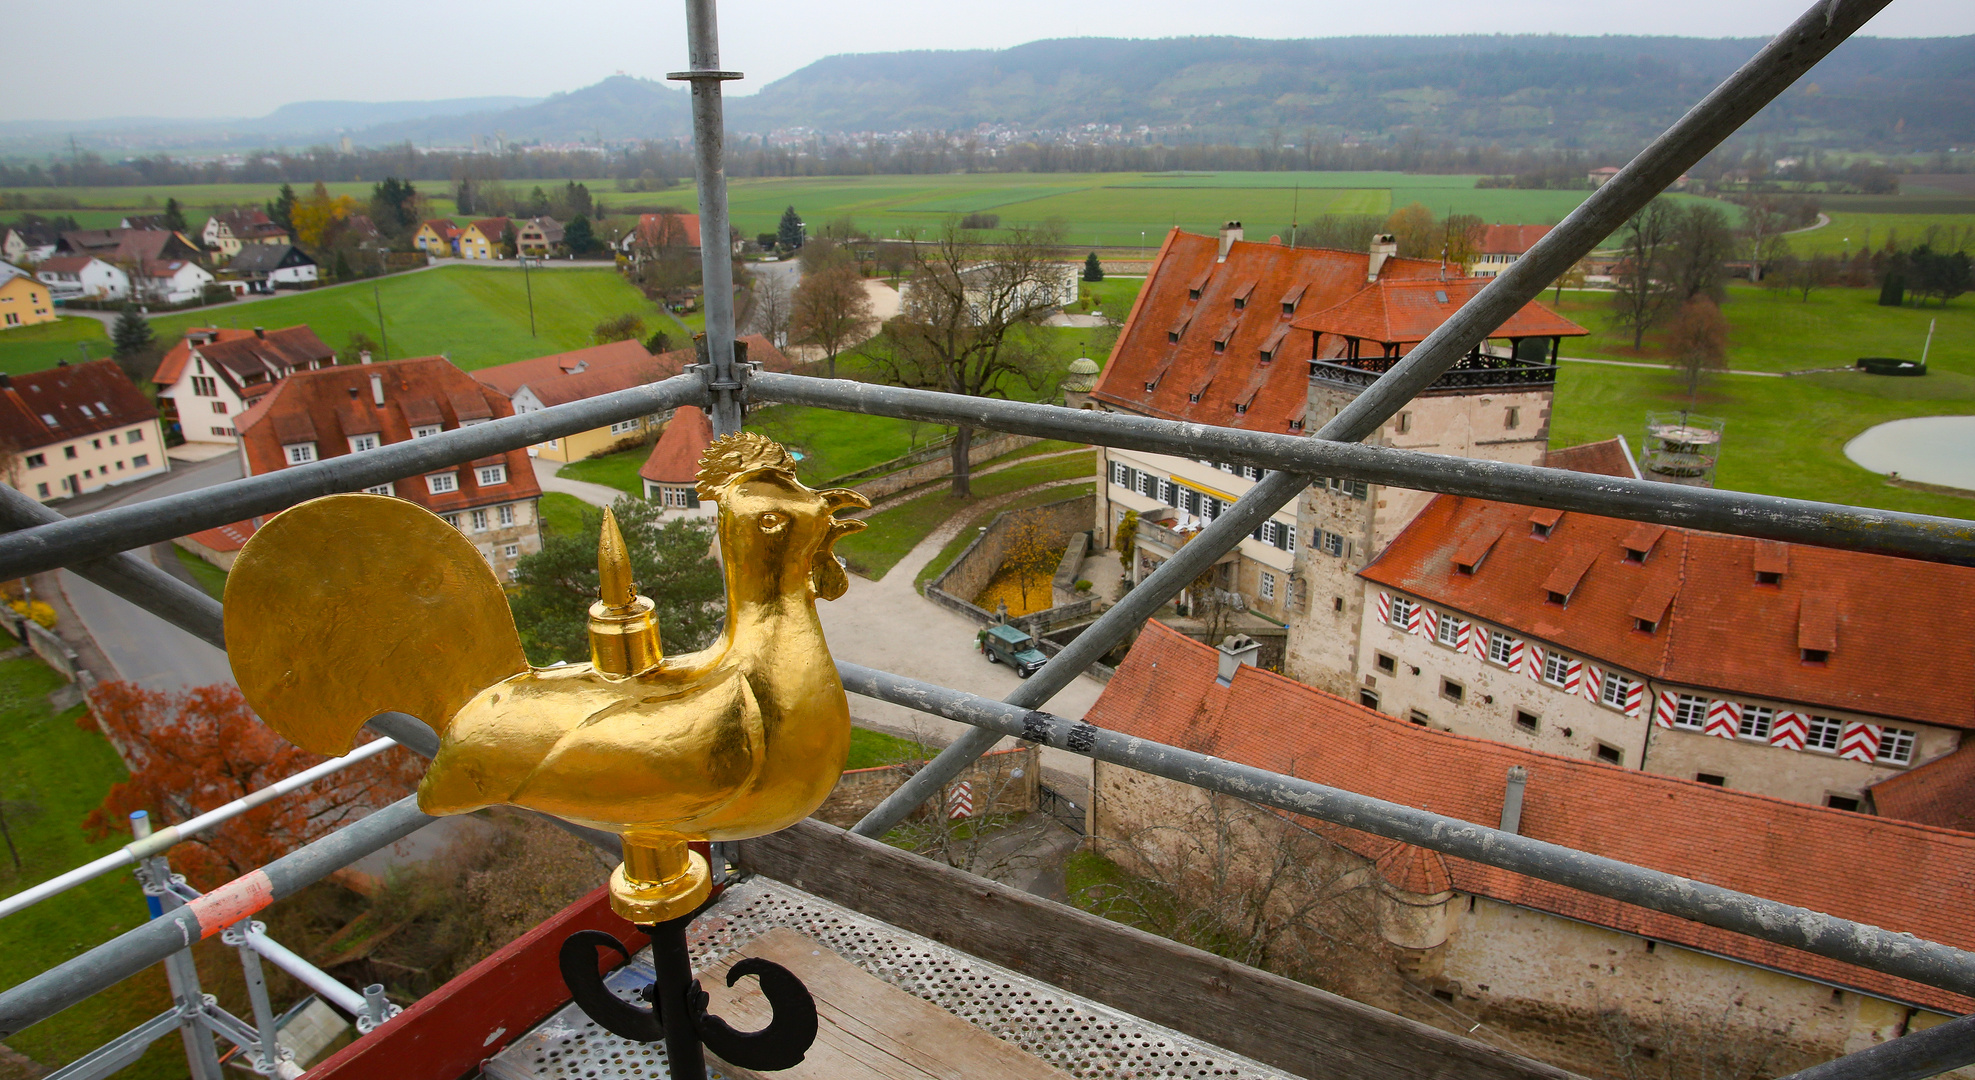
{"x":1005,"y":644}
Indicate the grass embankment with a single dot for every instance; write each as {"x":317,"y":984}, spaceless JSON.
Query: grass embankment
{"x":210,"y":578}
{"x":619,"y":470}
{"x":892,"y":533}
{"x":52,"y":773}
{"x":1778,"y":330}
{"x":33,"y":348}
{"x":562,"y":513}
{"x":870,"y":749}
{"x":1114,"y":296}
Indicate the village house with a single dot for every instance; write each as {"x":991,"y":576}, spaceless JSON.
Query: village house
{"x":482,"y":239}
{"x":1748,"y":664}
{"x":72,"y":429}
{"x":82,"y":277}
{"x":437,"y":237}
{"x":172,"y":281}
{"x":23,"y":300}
{"x":267,"y":267}
{"x":206,"y":381}
{"x":319,"y":414}
{"x":1502,"y":245}
{"x":655,"y":231}
{"x":27,"y":243}
{"x":129,"y":248}
{"x":229,"y":230}
{"x":671,"y":473}
{"x":1582,"y":981}
{"x":537,"y":236}
{"x":545,"y":381}
{"x":1236,"y":334}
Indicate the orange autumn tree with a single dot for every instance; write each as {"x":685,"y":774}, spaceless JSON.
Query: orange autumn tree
{"x":193,"y":751}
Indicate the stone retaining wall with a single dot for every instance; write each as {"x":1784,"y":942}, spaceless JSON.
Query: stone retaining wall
{"x":927,"y":464}
{"x":1007,"y":778}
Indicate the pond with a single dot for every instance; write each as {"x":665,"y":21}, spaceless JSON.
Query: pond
{"x":1927,"y":449}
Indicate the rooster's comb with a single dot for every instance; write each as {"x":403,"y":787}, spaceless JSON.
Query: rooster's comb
{"x":730,"y":456}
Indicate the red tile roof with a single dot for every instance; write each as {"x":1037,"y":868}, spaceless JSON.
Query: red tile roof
{"x":1405,"y":312}
{"x":226,"y":537}
{"x":66,"y":264}
{"x":172,"y":367}
{"x":1511,"y":239}
{"x":1608,"y":458}
{"x":492,"y":228}
{"x":605,"y":369}
{"x":1940,"y":793}
{"x":1311,"y":279}
{"x":444,"y":227}
{"x":654,"y":231}
{"x":1893,"y":874}
{"x":328,"y":405}
{"x":42,"y":408}
{"x":1724,"y":631}
{"x":242,"y":355}
{"x":675,"y":460}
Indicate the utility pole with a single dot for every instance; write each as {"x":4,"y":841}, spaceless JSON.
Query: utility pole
{"x":383,"y":335}
{"x":526,"y":283}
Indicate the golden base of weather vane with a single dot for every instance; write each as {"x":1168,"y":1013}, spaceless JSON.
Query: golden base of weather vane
{"x":659,"y":882}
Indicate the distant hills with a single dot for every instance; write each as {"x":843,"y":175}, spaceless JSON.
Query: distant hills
{"x":1872,"y":94}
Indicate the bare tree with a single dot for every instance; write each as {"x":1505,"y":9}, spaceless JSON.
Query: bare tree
{"x":831,"y":310}
{"x":964,"y":310}
{"x":987,"y":841}
{"x":774,"y":306}
{"x":1764,"y":220}
{"x":1642,"y":296}
{"x":1699,"y":340}
{"x":1031,"y":557}
{"x":1701,"y":243}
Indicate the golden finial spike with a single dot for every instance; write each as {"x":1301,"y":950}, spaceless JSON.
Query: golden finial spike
{"x":617,"y":590}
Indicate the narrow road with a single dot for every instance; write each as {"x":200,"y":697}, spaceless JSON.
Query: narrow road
{"x":1665,"y":367}
{"x":594,"y":494}
{"x":143,"y":648}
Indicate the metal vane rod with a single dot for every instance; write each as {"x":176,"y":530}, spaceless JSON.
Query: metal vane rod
{"x":716,"y":254}
{"x":1767,"y":74}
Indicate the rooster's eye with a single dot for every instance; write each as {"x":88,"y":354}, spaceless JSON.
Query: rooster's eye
{"x":772,"y":521}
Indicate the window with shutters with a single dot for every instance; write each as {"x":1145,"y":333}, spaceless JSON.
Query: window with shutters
{"x":1168,"y":493}
{"x":1823,"y":733}
{"x":1402,"y":611}
{"x":1210,"y":507}
{"x":1333,"y":544}
{"x":1119,"y":474}
{"x":1755,"y":721}
{"x":1148,"y":485}
{"x":1501,"y":647}
{"x":1448,"y":632}
{"x":1556,"y":667}
{"x":1190,"y":501}
{"x":1896,"y":745}
{"x":1615,"y":690}
{"x":1691,"y":712}
{"x":1251,"y":472}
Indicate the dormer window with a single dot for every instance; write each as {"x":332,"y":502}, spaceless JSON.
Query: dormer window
{"x":1193,"y":294}
{"x":1288,"y":309}
{"x":1296,"y":425}
{"x":1151,"y":385}
{"x":491,"y":475}
{"x":1193,"y":399}
{"x":1816,"y":656}
{"x":1220,"y":347}
{"x":360,"y":443}
{"x":441,"y":483}
{"x":1645,"y":625}
{"x":425,"y":430}
{"x":1768,"y":577}
{"x":1772,"y":561}
{"x":1543,"y":522}
{"x":1639,"y":543}
{"x":1240,"y":408}
{"x":300,"y":453}
{"x":1172,"y":336}
{"x":1557,"y":598}
{"x":1539,"y":530}
{"x":1240,"y":302}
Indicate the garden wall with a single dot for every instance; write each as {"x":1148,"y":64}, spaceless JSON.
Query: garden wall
{"x":1007,"y":777}
{"x":927,"y":464}
{"x":971,"y":572}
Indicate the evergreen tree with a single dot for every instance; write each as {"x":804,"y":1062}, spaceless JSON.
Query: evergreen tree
{"x":1093,"y":270}
{"x":131,"y":334}
{"x":463,"y":200}
{"x":282,"y":210}
{"x":579,"y":237}
{"x":554,"y":588}
{"x":174,"y":216}
{"x":788,"y":233}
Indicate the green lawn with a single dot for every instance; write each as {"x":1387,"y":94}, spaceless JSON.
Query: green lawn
{"x":33,"y":348}
{"x":563,"y":513}
{"x":870,"y":749}
{"x":476,"y":315}
{"x":1777,"y":331}
{"x":210,"y":578}
{"x":52,"y":773}
{"x":1851,"y":230}
{"x":1114,"y":296}
{"x":892,"y":533}
{"x":967,"y":532}
{"x":619,"y":470}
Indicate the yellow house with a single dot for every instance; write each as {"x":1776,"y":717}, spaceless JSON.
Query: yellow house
{"x":23,"y":300}
{"x":437,"y":237}
{"x":482,"y":239}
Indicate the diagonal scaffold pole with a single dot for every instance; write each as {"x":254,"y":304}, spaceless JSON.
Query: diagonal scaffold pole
{"x":1771,"y":71}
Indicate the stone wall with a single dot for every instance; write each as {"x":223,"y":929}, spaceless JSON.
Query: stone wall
{"x":925,"y":465}
{"x":971,"y":572}
{"x":1008,"y":778}
{"x":1587,"y":998}
{"x":51,"y":649}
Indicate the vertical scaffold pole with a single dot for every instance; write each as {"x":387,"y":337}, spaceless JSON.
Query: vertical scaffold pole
{"x":180,"y":970}
{"x":716,"y":255}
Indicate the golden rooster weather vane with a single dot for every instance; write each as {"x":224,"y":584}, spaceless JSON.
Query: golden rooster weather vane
{"x":352,"y":605}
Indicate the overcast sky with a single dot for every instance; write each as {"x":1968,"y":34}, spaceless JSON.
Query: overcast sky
{"x":209,"y":58}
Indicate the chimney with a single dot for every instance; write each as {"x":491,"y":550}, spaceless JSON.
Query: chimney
{"x":1384,"y":246}
{"x":1230,"y":232}
{"x":377,"y":389}
{"x":363,"y":357}
{"x":6,"y":381}
{"x":260,"y":331}
{"x":1235,"y":650}
{"x":1512,"y":799}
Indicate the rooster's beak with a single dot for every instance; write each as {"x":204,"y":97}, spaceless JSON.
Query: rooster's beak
{"x":841,"y":498}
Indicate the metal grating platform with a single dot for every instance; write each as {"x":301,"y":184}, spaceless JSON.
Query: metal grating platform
{"x":1074,"y":1034}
